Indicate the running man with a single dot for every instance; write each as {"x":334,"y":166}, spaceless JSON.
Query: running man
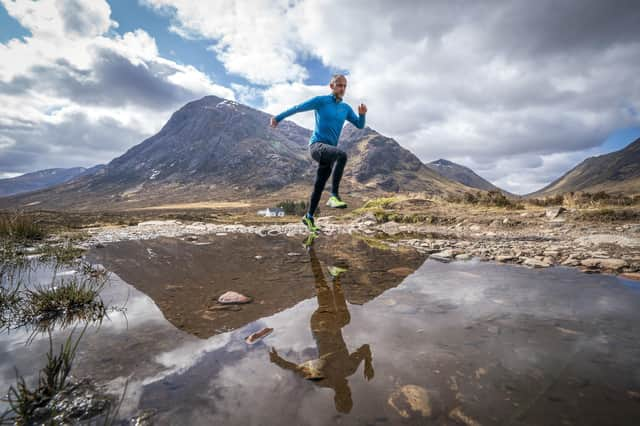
{"x":330,"y":113}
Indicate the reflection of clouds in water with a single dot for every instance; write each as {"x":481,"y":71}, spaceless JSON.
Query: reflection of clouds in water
{"x":415,"y":327}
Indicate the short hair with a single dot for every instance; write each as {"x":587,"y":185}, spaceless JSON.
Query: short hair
{"x":335,"y":77}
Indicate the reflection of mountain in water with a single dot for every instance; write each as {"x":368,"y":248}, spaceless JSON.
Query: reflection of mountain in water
{"x":185,"y":278}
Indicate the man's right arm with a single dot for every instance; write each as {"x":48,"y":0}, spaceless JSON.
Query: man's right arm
{"x":307,"y":105}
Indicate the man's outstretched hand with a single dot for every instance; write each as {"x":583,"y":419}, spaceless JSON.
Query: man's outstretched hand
{"x":274,"y":122}
{"x":362,"y":109}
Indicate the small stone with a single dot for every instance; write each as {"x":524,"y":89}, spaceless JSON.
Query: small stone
{"x":411,"y":401}
{"x":231,"y":297}
{"x":259,"y":335}
{"x":293,"y":254}
{"x":457,"y":415}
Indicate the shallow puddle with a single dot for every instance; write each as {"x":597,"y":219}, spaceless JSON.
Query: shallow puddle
{"x":361,"y":335}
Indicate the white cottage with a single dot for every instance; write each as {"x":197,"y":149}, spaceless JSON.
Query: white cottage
{"x":277,"y":211}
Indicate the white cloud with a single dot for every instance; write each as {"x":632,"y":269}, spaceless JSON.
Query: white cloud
{"x":253,"y":38}
{"x":80,"y":95}
{"x":507,"y":85}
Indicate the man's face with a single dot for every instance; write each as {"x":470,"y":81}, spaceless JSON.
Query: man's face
{"x":338,"y":87}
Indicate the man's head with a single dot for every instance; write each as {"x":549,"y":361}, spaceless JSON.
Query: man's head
{"x":338,"y":85}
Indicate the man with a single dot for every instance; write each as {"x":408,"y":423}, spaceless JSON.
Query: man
{"x":334,"y":363}
{"x":330,"y":113}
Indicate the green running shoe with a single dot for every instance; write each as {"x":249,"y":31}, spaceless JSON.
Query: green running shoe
{"x":308,"y":242}
{"x":336,"y":202}
{"x":335,"y":271}
{"x":309,"y":223}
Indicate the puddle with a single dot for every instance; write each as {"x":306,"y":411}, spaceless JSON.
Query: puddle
{"x":392,"y":339}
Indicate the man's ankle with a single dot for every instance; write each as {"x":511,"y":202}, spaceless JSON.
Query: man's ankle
{"x":335,"y":194}
{"x":308,"y":216}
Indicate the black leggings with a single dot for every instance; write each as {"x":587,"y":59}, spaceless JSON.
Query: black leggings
{"x":326,"y":155}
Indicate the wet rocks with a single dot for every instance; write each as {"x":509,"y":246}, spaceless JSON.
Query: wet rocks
{"x":460,"y":417}
{"x":504,"y":258}
{"x":411,"y":401}
{"x":443,"y":256}
{"x":609,"y":264}
{"x":231,"y":297}
{"x":536,"y":263}
{"x":596,"y":239}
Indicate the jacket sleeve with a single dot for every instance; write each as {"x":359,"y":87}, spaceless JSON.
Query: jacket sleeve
{"x":307,"y":105}
{"x":356,"y":120}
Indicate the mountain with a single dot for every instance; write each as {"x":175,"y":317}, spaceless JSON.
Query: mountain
{"x":218,"y":149}
{"x":463,"y":174}
{"x":38,"y":180}
{"x":615,"y":173}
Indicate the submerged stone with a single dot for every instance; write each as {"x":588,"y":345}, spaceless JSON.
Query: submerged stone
{"x":259,"y":335}
{"x":410,"y":401}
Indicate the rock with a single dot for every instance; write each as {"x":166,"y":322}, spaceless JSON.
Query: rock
{"x":312,"y":370}
{"x":401,"y":270}
{"x":411,"y":401}
{"x":259,"y":335}
{"x":457,"y":415}
{"x":611,"y":264}
{"x":159,"y":223}
{"x":475,"y":227}
{"x":535,"y":263}
{"x":596,"y":239}
{"x":293,"y":253}
{"x":390,"y":227}
{"x":231,"y":297}
{"x":258,"y":257}
{"x":463,"y":256}
{"x":554,"y":212}
{"x":442,"y":256}
{"x":631,"y":275}
{"x":504,"y":258}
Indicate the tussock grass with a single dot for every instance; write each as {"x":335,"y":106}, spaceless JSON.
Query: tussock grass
{"x":609,"y":215}
{"x":24,"y":401}
{"x":19,"y":226}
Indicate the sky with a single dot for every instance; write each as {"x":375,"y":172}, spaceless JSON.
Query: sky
{"x":519,"y":91}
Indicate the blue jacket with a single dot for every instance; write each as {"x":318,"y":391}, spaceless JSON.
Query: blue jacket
{"x":330,"y":114}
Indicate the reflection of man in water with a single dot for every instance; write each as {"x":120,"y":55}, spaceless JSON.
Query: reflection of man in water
{"x":335,"y":363}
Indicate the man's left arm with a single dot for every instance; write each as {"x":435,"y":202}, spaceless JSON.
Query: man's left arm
{"x":357,"y":120}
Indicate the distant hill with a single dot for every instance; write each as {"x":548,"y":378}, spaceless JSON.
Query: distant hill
{"x":218,"y":149}
{"x":615,"y":173}
{"x":463,"y":175}
{"x":39,"y":180}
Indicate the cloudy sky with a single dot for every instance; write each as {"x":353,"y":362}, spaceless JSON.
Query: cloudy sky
{"x":519,"y":91}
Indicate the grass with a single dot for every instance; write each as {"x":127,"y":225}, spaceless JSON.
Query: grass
{"x":379,"y":203}
{"x":26,"y":403}
{"x":18,"y":226}
{"x":63,"y":302}
{"x":609,"y":215}
{"x":64,"y":253}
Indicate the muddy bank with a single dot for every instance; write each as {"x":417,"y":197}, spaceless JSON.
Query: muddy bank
{"x":185,"y":277}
